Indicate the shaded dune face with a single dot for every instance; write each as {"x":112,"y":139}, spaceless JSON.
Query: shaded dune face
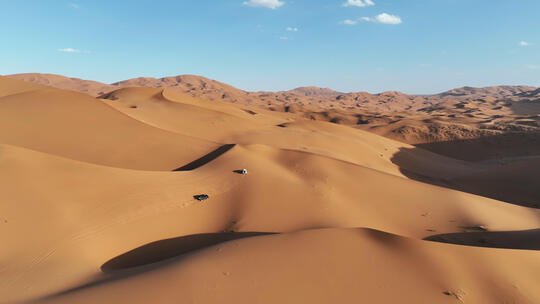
{"x":170,"y":248}
{"x":528,"y":239}
{"x":100,"y":205}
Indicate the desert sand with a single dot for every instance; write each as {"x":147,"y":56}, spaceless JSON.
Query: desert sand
{"x":459,"y":114}
{"x":348,"y":198}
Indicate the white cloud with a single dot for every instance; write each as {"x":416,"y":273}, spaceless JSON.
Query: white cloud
{"x":533,"y":67}
{"x":349,"y":22}
{"x":292,"y":29}
{"x":69,"y":50}
{"x":524,"y":43}
{"x":74,"y":5}
{"x":359,"y":3}
{"x":383,"y":18}
{"x":283,"y":38}
{"x":272,"y":4}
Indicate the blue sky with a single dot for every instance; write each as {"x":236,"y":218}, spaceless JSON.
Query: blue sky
{"x":414,"y":46}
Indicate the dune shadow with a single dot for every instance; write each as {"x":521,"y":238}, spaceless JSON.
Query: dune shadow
{"x":507,"y":145}
{"x":249,"y":112}
{"x":166,"y":249}
{"x":206,"y":159}
{"x":495,"y":157}
{"x":525,"y":240}
{"x":155,"y":255}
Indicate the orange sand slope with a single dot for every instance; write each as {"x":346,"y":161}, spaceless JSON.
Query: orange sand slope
{"x":77,"y":126}
{"x":327,"y":266}
{"x":98,"y":207}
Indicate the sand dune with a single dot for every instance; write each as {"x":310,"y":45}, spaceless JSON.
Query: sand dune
{"x":186,"y":115}
{"x":92,"y":88}
{"x":134,"y":208}
{"x":99,"y":205}
{"x":12,"y":87}
{"x":328,"y":266}
{"x":314,"y":91}
{"x":77,"y":126}
{"x":459,"y":114}
{"x":495,"y":182}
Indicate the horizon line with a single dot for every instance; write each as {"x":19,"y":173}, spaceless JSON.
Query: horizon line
{"x":279,"y":91}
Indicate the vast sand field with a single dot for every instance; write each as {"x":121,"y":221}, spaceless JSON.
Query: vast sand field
{"x":348,"y":198}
